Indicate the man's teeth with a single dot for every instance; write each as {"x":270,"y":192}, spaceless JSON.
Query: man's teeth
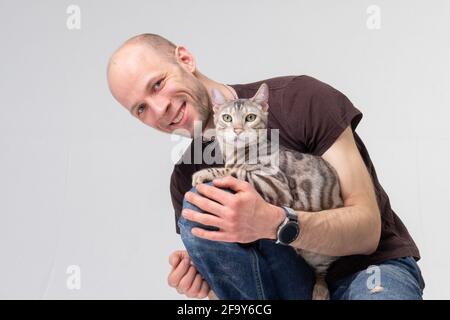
{"x":179,"y":116}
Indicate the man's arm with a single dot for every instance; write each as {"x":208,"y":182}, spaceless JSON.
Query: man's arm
{"x":245,"y":216}
{"x":354,"y":228}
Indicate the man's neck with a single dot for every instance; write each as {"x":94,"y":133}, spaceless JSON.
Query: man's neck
{"x":228,"y":93}
{"x":209,"y":130}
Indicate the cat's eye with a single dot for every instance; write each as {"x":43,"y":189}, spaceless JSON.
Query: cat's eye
{"x":250,"y":117}
{"x":227,"y":118}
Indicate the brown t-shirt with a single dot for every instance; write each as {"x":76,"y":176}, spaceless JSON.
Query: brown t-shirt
{"x":310,"y":116}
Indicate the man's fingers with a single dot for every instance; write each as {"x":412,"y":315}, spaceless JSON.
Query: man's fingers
{"x":207,"y":205}
{"x":194,"y":290}
{"x":204,"y":290}
{"x":184,"y":276}
{"x":187,"y":280}
{"x":203,"y":218}
{"x":232,"y":183}
{"x":176,"y":256}
{"x":178,"y":272}
{"x":212,"y":235}
{"x":214,"y":193}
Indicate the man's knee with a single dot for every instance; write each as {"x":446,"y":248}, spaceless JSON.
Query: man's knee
{"x":388,"y":281}
{"x":200,"y":246}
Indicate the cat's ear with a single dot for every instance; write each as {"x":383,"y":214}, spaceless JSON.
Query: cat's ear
{"x":262,"y":97}
{"x":217,"y":97}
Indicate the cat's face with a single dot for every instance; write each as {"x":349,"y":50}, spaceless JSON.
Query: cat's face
{"x":242,"y":120}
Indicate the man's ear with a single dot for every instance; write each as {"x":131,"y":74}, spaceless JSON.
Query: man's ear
{"x":262,"y":97}
{"x":185,"y":59}
{"x":217,"y":99}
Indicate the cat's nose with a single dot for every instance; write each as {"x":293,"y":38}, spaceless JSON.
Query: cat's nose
{"x":238,"y":130}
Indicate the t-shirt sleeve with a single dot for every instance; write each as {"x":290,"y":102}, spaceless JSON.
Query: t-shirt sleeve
{"x":323,"y":113}
{"x":177,"y":194}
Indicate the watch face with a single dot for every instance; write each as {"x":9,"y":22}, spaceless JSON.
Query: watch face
{"x":289,"y":232}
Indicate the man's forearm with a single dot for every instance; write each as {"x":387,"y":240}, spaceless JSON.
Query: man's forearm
{"x":339,"y":232}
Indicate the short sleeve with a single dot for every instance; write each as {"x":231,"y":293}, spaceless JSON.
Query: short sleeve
{"x":323,"y":113}
{"x":177,"y":191}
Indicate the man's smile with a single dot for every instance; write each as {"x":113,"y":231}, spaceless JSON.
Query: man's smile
{"x":179,"y":115}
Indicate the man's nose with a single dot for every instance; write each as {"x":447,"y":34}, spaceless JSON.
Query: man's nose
{"x":159,"y":106}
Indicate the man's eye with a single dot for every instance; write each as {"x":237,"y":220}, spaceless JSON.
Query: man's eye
{"x":227,"y":118}
{"x":140,"y":109}
{"x":157,"y":85}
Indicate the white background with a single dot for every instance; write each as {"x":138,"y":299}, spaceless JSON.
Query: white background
{"x":83,"y":183}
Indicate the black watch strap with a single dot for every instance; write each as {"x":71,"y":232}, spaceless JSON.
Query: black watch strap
{"x":289,"y":229}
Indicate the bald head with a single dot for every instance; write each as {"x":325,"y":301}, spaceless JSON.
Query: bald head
{"x":135,"y":54}
{"x":160,"y":46}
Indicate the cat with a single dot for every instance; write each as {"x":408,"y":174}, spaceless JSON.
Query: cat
{"x":283,"y":177}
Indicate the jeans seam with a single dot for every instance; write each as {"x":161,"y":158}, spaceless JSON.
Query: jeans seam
{"x":257,"y":276}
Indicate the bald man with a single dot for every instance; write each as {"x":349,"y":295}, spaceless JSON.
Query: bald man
{"x":242,"y":257}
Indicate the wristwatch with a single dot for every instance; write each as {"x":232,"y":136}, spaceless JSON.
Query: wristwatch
{"x":289,"y":229}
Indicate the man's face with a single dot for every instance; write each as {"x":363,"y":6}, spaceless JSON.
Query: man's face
{"x":161,"y":94}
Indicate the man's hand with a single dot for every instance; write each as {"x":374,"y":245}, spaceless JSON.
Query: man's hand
{"x":241,"y":217}
{"x":184,"y":276}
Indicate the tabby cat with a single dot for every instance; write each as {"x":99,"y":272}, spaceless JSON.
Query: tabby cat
{"x":282,"y":176}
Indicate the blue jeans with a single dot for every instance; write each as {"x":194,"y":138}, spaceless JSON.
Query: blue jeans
{"x":265,"y":270}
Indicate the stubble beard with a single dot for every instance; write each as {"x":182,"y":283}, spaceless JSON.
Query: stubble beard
{"x":200,"y":99}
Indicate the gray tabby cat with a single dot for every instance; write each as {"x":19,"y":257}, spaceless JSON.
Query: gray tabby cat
{"x":282,"y":177}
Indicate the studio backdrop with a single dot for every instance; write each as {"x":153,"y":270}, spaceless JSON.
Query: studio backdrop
{"x":84,"y":187}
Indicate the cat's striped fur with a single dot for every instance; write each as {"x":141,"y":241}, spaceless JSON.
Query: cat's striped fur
{"x":282,"y":177}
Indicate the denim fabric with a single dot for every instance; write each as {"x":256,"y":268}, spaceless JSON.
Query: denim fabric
{"x":400,"y":279}
{"x":265,"y":270}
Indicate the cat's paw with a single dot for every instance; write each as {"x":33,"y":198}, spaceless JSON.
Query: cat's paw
{"x":202,"y":176}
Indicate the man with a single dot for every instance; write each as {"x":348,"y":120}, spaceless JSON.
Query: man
{"x":160,"y":84}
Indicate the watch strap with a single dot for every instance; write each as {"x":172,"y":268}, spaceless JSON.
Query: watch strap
{"x":291,"y":217}
{"x":290,"y":214}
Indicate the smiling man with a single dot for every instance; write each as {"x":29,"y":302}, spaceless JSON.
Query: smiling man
{"x":160,"y":84}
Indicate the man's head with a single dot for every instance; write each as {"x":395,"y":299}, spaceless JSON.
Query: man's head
{"x":158,"y":83}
